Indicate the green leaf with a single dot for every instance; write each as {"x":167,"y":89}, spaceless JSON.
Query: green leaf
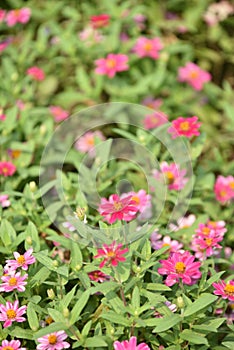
{"x":95,"y":342}
{"x":136,"y":298}
{"x":40,"y":276}
{"x":80,"y":304}
{"x":22,"y":333}
{"x":68,"y":298}
{"x":76,"y":255}
{"x":56,"y":315}
{"x":32,"y":317}
{"x":31,"y":231}
{"x":115,"y":318}
{"x":8,"y":234}
{"x":199,"y":304}
{"x":53,"y":327}
{"x":45,"y":260}
{"x":157,"y":287}
{"x":167,"y":322}
{"x":193,"y":337}
{"x":210,"y":325}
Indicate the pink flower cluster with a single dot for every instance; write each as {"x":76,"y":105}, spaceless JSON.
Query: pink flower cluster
{"x":11,"y":345}
{"x":218,"y":12}
{"x":15,"y":16}
{"x":4,"y":201}
{"x":36,"y":73}
{"x":58,"y":113}
{"x":224,"y":189}
{"x":172,"y":175}
{"x":112,"y":64}
{"x":187,"y":127}
{"x":194,"y":76}
{"x":205,"y":242}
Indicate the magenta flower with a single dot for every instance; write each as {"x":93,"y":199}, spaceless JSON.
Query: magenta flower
{"x":18,"y":16}
{"x":118,"y":208}
{"x":130,"y":344}
{"x":11,"y":345}
{"x":4,"y":44}
{"x":2,"y":15}
{"x":7,"y":169}
{"x":100,"y":21}
{"x":53,"y":341}
{"x":193,"y":75}
{"x":86,"y":143}
{"x":206,"y":245}
{"x":11,"y":312}
{"x":187,"y":127}
{"x":218,"y":227}
{"x":145,"y":47}
{"x":98,"y":276}
{"x":36,"y":73}
{"x":112,"y":254}
{"x":2,"y":117}
{"x":226,"y":290}
{"x":174,"y":177}
{"x":22,"y":260}
{"x":180,"y":266}
{"x":4,"y":201}
{"x":58,"y":113}
{"x":224,"y":189}
{"x":183,"y":222}
{"x":13,"y":281}
{"x":112,"y":64}
{"x":154,"y":120}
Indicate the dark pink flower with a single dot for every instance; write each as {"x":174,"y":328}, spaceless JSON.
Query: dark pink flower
{"x":154,"y":120}
{"x":130,"y":344}
{"x":112,"y":254}
{"x":180,"y":266}
{"x":145,"y":47}
{"x":187,"y":127}
{"x":18,"y":16}
{"x":11,"y":345}
{"x":7,"y":169}
{"x":193,"y":75}
{"x":12,"y":312}
{"x":36,"y":73}
{"x":22,"y":260}
{"x":2,"y":15}
{"x":112,"y":64}
{"x":206,"y":245}
{"x":224,"y":189}
{"x":226,"y":290}
{"x":53,"y":341}
{"x":98,"y":276}
{"x":59,"y":113}
{"x":13,"y":281}
{"x":173,"y":176}
{"x":100,"y":21}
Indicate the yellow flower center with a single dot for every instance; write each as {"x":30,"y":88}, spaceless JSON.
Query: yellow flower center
{"x":148,"y":46}
{"x":49,"y":320}
{"x":194,"y":74}
{"x":229,"y":289}
{"x":170,"y":177}
{"x":206,"y":230}
{"x":136,"y":199}
{"x":184,"y":126}
{"x":11,"y":314}
{"x":180,"y":267}
{"x":8,"y":348}
{"x":223,"y":193}
{"x":15,"y":153}
{"x":209,"y":241}
{"x":111,"y":63}
{"x":21,"y":259}
{"x":5,"y":170}
{"x":231,"y":184}
{"x":90,"y":141}
{"x":111,"y":254}
{"x":52,"y":339}
{"x":12,"y":281}
{"x":118,"y":205}
{"x":212,"y":223}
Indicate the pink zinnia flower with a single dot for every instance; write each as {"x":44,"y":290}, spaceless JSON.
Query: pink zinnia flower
{"x":118,"y":208}
{"x":130,"y":344}
{"x":98,"y":276}
{"x":218,"y":12}
{"x":90,"y":36}
{"x":112,"y":64}
{"x":112,"y":254}
{"x":11,"y":345}
{"x":53,"y":341}
{"x":22,"y":260}
{"x":152,"y":103}
{"x":172,"y":244}
{"x":2,"y":117}
{"x":205,"y":246}
{"x":218,"y":227}
{"x":7,"y":169}
{"x":154,"y":120}
{"x":12,"y":312}
{"x":4,"y":201}
{"x":224,"y":189}
{"x":193,"y":75}
{"x":183,"y":222}
{"x":142,"y":199}
{"x":2,"y":15}
{"x":58,"y":113}
{"x":187,"y":127}
{"x":173,"y":175}
{"x":13,"y":281}
{"x":36,"y":73}
{"x":145,"y":47}
{"x":226,"y":290}
{"x":86,"y":143}
{"x":18,"y":16}
{"x":100,"y":21}
{"x":4,"y":44}
{"x":180,"y":266}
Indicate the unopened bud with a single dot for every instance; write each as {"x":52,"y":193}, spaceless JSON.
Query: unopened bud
{"x":29,"y":240}
{"x":66,"y":312}
{"x":55,"y":263}
{"x":78,"y":267}
{"x":180,"y":302}
{"x":32,"y":186}
{"x":43,"y":129}
{"x":50,"y":294}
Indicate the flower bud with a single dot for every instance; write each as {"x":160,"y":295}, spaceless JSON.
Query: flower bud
{"x":29,"y":240}
{"x":32,"y":186}
{"x":66,"y":312}
{"x":180,"y":302}
{"x":50,"y":294}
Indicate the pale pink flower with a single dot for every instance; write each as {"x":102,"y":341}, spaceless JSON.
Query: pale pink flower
{"x":226,"y":290}
{"x":145,"y":47}
{"x":224,"y":189}
{"x":118,"y":208}
{"x":4,"y":201}
{"x":7,"y":169}
{"x":18,"y":16}
{"x":112,"y":254}
{"x":180,"y":266}
{"x":187,"y":127}
{"x":53,"y":341}
{"x":217,"y":226}
{"x":140,"y":19}
{"x":20,"y":104}
{"x":22,"y":260}
{"x":58,"y":113}
{"x":11,"y":312}
{"x":11,"y":345}
{"x":154,"y":120}
{"x":142,"y":200}
{"x":218,"y":12}
{"x":100,"y":21}
{"x":69,"y":226}
{"x":112,"y":64}
{"x":183,"y":222}
{"x":152,"y":103}
{"x":130,"y":344}
{"x":172,"y":244}
{"x":90,"y":36}
{"x":2,"y":15}
{"x":86,"y":143}
{"x":173,"y":176}
{"x":13,"y":281}
{"x":193,"y":75}
{"x":36,"y":73}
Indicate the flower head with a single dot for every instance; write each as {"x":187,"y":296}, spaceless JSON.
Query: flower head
{"x":86,"y":143}
{"x":100,"y":21}
{"x":226,"y":290}
{"x":193,"y":75}
{"x":154,"y":120}
{"x":145,"y":47}
{"x":172,"y":244}
{"x":22,"y":260}
{"x":98,"y":276}
{"x":4,"y":201}
{"x":187,"y":127}
{"x":7,"y":169}
{"x":173,"y":176}
{"x":13,"y":281}
{"x":183,"y":222}
{"x":224,"y":189}
{"x":152,"y":103}
{"x":2,"y":15}
{"x":112,"y":64}
{"x":11,"y":312}
{"x":112,"y":254}
{"x":180,"y":266}
{"x":18,"y":16}
{"x":53,"y":341}
{"x":130,"y":344}
{"x":36,"y":73}
{"x":58,"y":113}
{"x":11,"y":345}
{"x":218,"y":12}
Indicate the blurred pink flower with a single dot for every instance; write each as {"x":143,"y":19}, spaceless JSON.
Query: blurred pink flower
{"x":172,"y":174}
{"x":22,"y":260}
{"x":69,"y":226}
{"x":2,"y":117}
{"x":112,"y":64}
{"x":140,"y":19}
{"x":183,"y":222}
{"x":180,"y":266}
{"x":224,"y":189}
{"x":153,"y":103}
{"x":11,"y":312}
{"x":145,"y":47}
{"x":90,"y":36}
{"x":36,"y":73}
{"x":98,"y":276}
{"x":7,"y":168}
{"x":130,"y":344}
{"x":4,"y":44}
{"x":2,"y":15}
{"x":53,"y":341}
{"x":20,"y":104}
{"x":218,"y":12}
{"x":187,"y":127}
{"x":143,"y":203}
{"x":172,"y":244}
{"x":11,"y":345}
{"x":154,"y":120}
{"x":4,"y":201}
{"x":18,"y":16}
{"x":86,"y":143}
{"x":58,"y":113}
{"x":205,"y":245}
{"x":112,"y":254}
{"x":193,"y":75}
{"x":100,"y":21}
{"x":225,"y":290}
{"x":13,"y":281}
